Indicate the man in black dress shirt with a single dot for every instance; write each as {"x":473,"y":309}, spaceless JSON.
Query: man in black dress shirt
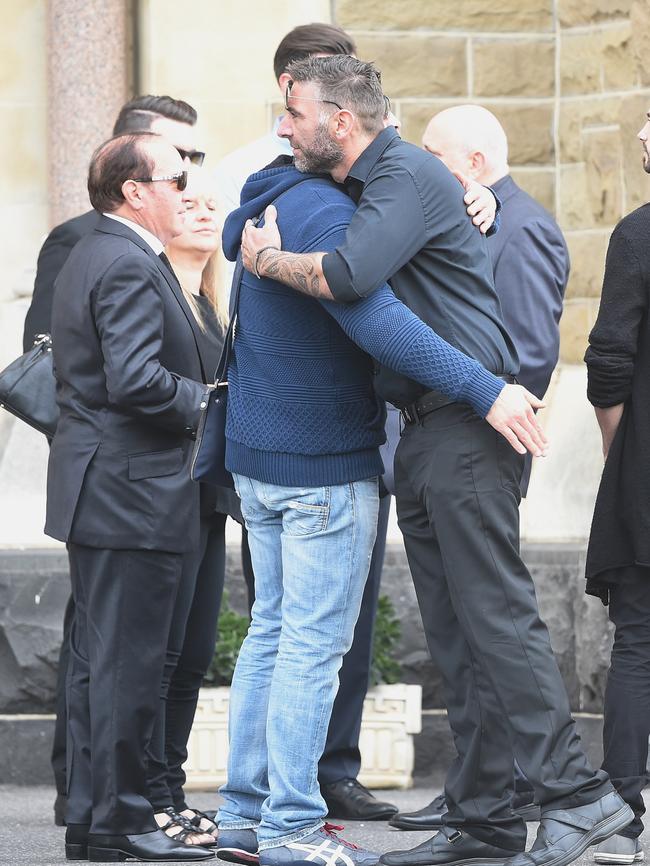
{"x":457,"y":481}
{"x":530,"y":263}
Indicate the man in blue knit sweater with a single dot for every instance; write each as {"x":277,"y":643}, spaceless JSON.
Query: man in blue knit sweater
{"x":457,"y":487}
{"x":304,"y":428}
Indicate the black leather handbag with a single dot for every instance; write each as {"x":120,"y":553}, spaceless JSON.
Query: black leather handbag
{"x":28,"y":387}
{"x":209,"y":454}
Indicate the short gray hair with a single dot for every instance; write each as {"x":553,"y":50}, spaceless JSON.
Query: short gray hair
{"x":349,"y":82}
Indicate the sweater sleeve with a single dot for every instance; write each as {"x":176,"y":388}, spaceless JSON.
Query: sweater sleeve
{"x":613,"y":339}
{"x":386,"y":329}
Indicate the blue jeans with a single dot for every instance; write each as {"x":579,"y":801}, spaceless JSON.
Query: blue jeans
{"x":311,"y":550}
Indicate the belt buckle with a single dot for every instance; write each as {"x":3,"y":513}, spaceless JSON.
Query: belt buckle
{"x":454,"y":837}
{"x":410,"y":414}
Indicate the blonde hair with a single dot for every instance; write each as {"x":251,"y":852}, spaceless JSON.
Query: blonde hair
{"x":213,"y":287}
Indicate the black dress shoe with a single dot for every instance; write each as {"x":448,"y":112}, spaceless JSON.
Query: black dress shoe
{"x":76,"y":841}
{"x":564,"y":834}
{"x":349,"y":799}
{"x":59,"y":809}
{"x":154,"y":847}
{"x":449,"y":847}
{"x":430,"y":817}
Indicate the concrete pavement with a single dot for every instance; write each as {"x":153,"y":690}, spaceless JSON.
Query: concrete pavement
{"x":28,"y":835}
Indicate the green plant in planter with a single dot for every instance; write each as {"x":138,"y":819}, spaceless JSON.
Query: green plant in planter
{"x":231,"y":631}
{"x":384,"y":668}
{"x":232,"y":628}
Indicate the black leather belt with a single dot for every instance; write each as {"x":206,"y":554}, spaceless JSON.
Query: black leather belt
{"x":433,"y":400}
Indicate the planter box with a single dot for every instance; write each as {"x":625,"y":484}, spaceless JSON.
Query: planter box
{"x":391,"y":715}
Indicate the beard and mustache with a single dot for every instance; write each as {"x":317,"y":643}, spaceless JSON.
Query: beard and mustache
{"x":321,"y":154}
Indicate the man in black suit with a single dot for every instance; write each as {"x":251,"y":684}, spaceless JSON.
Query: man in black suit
{"x":119,"y":492}
{"x":530,"y":262}
{"x":175,"y":120}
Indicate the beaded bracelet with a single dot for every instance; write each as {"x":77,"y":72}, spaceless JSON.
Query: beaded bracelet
{"x":257,"y":258}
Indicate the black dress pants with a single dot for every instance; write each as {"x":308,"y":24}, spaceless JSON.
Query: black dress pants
{"x":123,"y":608}
{"x":627,"y":695}
{"x":59,"y":759}
{"x":190,"y":649}
{"x":457,"y":487}
{"x":342,"y":758}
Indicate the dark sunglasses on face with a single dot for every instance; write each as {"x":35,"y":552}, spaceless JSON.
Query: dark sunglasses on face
{"x":180,"y":178}
{"x":196,"y":157}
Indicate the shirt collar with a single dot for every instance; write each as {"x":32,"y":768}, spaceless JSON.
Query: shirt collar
{"x":149,"y":238}
{"x":504,"y":187}
{"x":366,"y":161}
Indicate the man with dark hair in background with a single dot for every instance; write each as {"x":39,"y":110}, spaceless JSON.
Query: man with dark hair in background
{"x":128,"y":370}
{"x":174,"y":119}
{"x":162,"y":115}
{"x":303,"y":41}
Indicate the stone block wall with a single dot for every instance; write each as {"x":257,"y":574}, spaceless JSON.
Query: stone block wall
{"x":568,"y":81}
{"x":34,"y":588}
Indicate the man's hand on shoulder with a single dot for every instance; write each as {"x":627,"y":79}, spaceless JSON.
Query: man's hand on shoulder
{"x":254,"y":240}
{"x":512,"y":415}
{"x":480,"y":201}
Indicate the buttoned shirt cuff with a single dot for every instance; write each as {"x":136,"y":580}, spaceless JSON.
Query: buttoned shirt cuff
{"x":494,"y":228}
{"x":338,"y":278}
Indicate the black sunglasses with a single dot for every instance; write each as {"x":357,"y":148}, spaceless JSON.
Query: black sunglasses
{"x":180,"y":178}
{"x":196,"y":157}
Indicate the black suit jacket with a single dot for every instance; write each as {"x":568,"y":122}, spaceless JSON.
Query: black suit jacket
{"x":53,"y":255}
{"x":118,"y":474}
{"x":530,"y":261}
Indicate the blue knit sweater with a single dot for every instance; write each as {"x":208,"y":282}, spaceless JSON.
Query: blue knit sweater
{"x":301,"y":405}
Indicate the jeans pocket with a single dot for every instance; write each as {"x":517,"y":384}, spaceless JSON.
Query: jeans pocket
{"x":308,"y":512}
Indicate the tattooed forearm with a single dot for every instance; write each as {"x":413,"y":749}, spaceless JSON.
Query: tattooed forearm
{"x":302,"y":272}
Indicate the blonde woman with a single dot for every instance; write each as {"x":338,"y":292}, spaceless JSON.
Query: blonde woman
{"x":195,"y":256}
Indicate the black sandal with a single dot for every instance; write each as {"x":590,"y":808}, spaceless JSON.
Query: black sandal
{"x":201,"y":816}
{"x":186,"y":828}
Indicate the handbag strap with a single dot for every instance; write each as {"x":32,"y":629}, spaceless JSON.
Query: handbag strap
{"x":224,"y":359}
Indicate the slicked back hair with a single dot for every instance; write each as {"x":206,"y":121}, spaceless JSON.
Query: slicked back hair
{"x":350,"y":83}
{"x":308,"y":39}
{"x":122,"y":157}
{"x":139,"y":113}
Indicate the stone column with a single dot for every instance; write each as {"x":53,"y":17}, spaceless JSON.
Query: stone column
{"x":88,"y":75}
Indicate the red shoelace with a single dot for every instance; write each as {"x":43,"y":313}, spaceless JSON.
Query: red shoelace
{"x":331,"y":830}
